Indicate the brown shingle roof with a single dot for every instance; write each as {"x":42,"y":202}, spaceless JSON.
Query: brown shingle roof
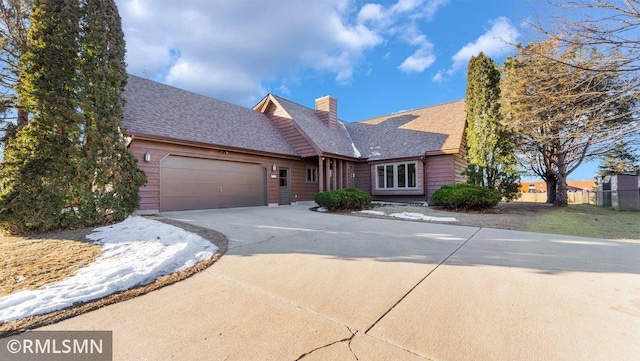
{"x":327,"y":140}
{"x":159,"y":110}
{"x":435,"y":129}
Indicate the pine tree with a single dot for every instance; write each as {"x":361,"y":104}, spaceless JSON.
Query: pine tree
{"x":492,"y":162}
{"x":110,"y":190}
{"x":69,"y":166}
{"x":620,"y":159}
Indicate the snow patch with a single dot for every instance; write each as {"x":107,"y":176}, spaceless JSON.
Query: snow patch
{"x":134,"y":252}
{"x":376,"y":213}
{"x":422,"y":217}
{"x":322,"y":210}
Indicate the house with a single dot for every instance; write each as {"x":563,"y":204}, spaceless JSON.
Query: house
{"x":572,"y":186}
{"x":200,"y":152}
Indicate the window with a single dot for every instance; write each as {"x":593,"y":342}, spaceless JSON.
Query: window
{"x":312,"y":175}
{"x":397,"y":175}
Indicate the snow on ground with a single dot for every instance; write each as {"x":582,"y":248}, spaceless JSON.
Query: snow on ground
{"x":375,"y":213}
{"x":422,"y":217}
{"x":135,"y":252}
{"x":411,"y":216}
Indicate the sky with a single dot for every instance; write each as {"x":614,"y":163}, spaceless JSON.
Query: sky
{"x":374,"y":57}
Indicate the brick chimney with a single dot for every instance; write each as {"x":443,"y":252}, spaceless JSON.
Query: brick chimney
{"x":327,"y":110}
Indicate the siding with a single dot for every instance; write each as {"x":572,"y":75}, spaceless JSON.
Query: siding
{"x":363,"y":177}
{"x":440,"y":171}
{"x":286,"y":126}
{"x":150,"y":193}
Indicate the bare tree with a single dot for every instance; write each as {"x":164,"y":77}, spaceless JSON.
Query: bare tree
{"x":563,"y":108}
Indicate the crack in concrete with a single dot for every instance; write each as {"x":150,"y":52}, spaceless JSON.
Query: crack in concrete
{"x":347,"y":339}
{"x":422,"y":280}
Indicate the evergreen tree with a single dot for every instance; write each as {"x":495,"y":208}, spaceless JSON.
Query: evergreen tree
{"x":492,"y":162}
{"x":69,"y":166}
{"x":620,"y":159}
{"x":110,"y":187}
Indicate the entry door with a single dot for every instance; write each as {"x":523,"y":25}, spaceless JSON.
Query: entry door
{"x":285,"y":189}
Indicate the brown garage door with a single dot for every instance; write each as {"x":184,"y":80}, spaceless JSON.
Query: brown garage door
{"x":196,"y":183}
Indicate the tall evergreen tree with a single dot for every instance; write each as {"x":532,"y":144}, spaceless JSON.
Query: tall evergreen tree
{"x":492,"y":162}
{"x":112,"y":180}
{"x":69,"y":167}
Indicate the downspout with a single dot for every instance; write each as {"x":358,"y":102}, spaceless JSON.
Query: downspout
{"x":424,"y":174}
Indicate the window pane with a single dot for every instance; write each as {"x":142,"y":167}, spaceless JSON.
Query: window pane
{"x":390,"y":182}
{"x":402,"y":175}
{"x":380,"y":176}
{"x":283,"y":178}
{"x":412,"y":175}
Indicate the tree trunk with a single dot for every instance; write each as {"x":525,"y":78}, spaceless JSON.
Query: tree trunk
{"x":23,"y":117}
{"x":561,"y":196}
{"x":552,"y":186}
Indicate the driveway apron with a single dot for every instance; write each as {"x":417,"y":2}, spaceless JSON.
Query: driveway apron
{"x":297,"y":284}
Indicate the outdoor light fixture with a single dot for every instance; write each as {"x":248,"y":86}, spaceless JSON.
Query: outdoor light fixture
{"x":273,"y":167}
{"x":147,"y":157}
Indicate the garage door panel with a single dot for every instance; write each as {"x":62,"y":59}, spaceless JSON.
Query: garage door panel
{"x":197,"y":183}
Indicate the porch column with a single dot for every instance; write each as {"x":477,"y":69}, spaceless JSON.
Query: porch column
{"x":334,"y":182}
{"x":327,"y":174}
{"x":339,"y":173}
{"x":320,"y":174}
{"x":345,"y":172}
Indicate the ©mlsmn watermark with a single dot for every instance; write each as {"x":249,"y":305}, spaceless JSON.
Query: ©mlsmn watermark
{"x":58,"y":345}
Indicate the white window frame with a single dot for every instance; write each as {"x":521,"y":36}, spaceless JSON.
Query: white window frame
{"x":394,"y":166}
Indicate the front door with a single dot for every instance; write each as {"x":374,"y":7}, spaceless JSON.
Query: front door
{"x":285,"y":189}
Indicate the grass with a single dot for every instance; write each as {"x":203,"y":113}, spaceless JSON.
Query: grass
{"x":575,"y":220}
{"x":588,"y":221}
{"x":52,"y":257}
{"x":30,"y":262}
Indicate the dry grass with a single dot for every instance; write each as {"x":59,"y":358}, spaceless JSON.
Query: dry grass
{"x":577,"y":220}
{"x":32,"y":261}
{"x":76,"y":239}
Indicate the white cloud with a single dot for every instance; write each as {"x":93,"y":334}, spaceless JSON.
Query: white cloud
{"x":497,"y":41}
{"x":420,"y":60}
{"x":438,"y":78}
{"x":230,"y":49}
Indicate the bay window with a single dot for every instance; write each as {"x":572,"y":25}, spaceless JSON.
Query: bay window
{"x":397,"y":175}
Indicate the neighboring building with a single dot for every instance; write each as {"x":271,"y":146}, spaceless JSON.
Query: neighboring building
{"x":572,"y":186}
{"x":200,"y":152}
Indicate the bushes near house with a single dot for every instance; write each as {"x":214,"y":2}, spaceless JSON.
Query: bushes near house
{"x":343,"y":199}
{"x":466,"y":197}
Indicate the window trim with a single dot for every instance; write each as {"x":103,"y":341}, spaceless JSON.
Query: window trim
{"x":384,"y":176}
{"x":313,"y":171}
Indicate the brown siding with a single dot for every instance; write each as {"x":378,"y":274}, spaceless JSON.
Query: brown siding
{"x":460,"y":161}
{"x":150,"y":194}
{"x":440,"y":171}
{"x":363,"y":177}
{"x":286,"y":126}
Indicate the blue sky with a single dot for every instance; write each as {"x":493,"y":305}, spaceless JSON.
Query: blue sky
{"x":375,"y":57}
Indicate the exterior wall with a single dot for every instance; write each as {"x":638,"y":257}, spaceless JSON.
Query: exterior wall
{"x":301,"y":190}
{"x":363,"y":177}
{"x":286,"y":126}
{"x":441,"y":170}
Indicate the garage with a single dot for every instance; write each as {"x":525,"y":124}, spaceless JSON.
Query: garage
{"x":198,"y":183}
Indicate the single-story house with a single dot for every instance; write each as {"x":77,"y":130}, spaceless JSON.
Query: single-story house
{"x":200,"y":152}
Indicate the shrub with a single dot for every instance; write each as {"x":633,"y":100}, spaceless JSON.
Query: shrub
{"x":466,"y":197}
{"x":343,"y":199}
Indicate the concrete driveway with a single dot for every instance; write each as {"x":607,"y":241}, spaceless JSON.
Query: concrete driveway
{"x":296,"y":284}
